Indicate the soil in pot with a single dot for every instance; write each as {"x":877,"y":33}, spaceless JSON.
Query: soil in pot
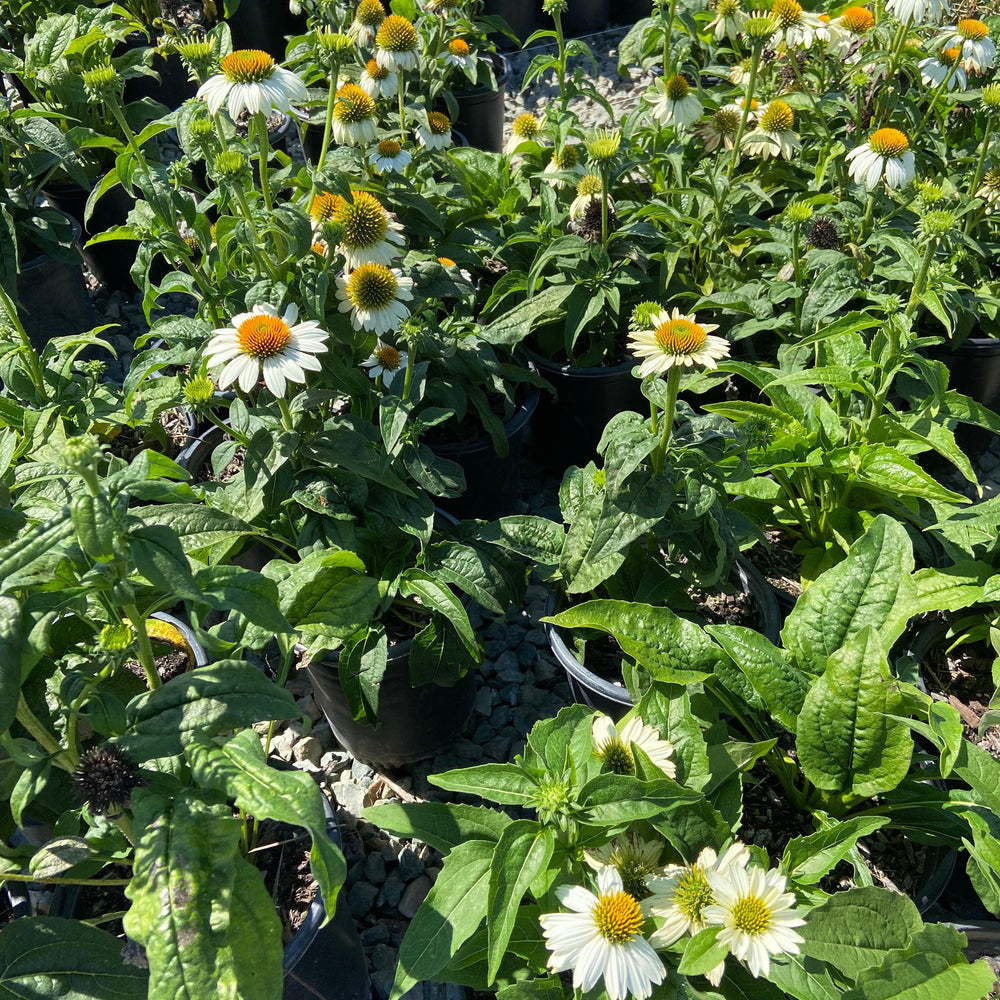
{"x":780,"y":566}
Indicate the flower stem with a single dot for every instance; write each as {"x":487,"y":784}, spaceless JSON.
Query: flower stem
{"x":402,"y":105}
{"x":328,"y":121}
{"x":264,"y":146}
{"x":45,"y":739}
{"x":747,"y":101}
{"x":145,"y":657}
{"x":977,"y":177}
{"x":920,"y":282}
{"x":673,"y":386}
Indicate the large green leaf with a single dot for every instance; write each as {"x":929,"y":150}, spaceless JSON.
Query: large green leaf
{"x":439,"y":597}
{"x":226,"y":695}
{"x":846,"y":740}
{"x":443,"y":825}
{"x":158,"y":556}
{"x":360,"y":669}
{"x":523,"y":851}
{"x":854,"y":930}
{"x":239,"y":770}
{"x":564,"y":745}
{"x":670,"y":648}
{"x":45,"y":958}
{"x":886,"y":469}
{"x":234,"y":589}
{"x":452,"y":911}
{"x":11,"y":646}
{"x":807,"y":859}
{"x":860,"y":590}
{"x":503,"y":783}
{"x":780,"y":684}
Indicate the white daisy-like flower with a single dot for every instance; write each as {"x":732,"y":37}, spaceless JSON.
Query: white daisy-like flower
{"x":729,"y":20}
{"x":773,"y":135}
{"x":990,"y":190}
{"x":250,"y":80}
{"x":614,"y":748}
{"x":458,"y":53}
{"x":756,"y":914}
{"x":389,"y":157}
{"x":675,"y":104}
{"x":524,"y":128}
{"x":635,"y":859}
{"x":588,"y":190}
{"x":378,"y":82}
{"x":677,"y":340}
{"x":437,"y":133}
{"x":367,"y":18}
{"x":261,"y":342}
{"x":563,"y":160}
{"x":934,"y":70}
{"x":721,"y":128}
{"x":739,"y":73}
{"x":919,"y":11}
{"x":397,"y":44}
{"x":796,"y":27}
{"x":601,"y":939}
{"x":374,"y":295}
{"x":385,"y":361}
{"x":370,"y":235}
{"x":355,"y":122}
{"x":885,"y":156}
{"x":978,"y":51}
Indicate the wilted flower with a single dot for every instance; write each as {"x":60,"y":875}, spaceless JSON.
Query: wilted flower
{"x":589,"y":189}
{"x":773,"y":135}
{"x":565,"y":159}
{"x":378,"y":81}
{"x":105,"y":777}
{"x":934,"y":70}
{"x":978,"y":51}
{"x":634,"y":858}
{"x":918,"y":11}
{"x":721,"y":128}
{"x":729,"y":20}
{"x":990,"y":191}
{"x":367,"y":18}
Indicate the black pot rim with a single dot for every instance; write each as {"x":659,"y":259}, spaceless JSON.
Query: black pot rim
{"x":591,"y":371}
{"x":513,"y":425}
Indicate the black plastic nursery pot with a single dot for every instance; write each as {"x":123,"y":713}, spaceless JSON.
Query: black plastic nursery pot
{"x":480,"y":110}
{"x":567,"y":429}
{"x":415,"y":722}
{"x":172,"y":88}
{"x":612,"y":697}
{"x":630,"y":11}
{"x":52,"y":297}
{"x":523,"y":16}
{"x":974,"y":370}
{"x":584,"y":17}
{"x":492,"y":483}
{"x":264,"y":24}
{"x":110,"y":262}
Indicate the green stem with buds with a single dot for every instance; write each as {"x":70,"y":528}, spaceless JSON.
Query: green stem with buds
{"x":920,"y":282}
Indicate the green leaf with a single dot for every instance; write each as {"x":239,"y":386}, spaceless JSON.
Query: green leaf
{"x":12,"y":641}
{"x":207,"y":701}
{"x":780,"y":684}
{"x":360,"y":669}
{"x":946,"y":724}
{"x":670,"y":648}
{"x":44,"y":958}
{"x":807,"y":859}
{"x":440,"y":824}
{"x":983,"y":864}
{"x":563,"y":744}
{"x":158,"y":556}
{"x":885,"y":468}
{"x":853,"y":930}
{"x":538,"y":539}
{"x":860,"y":590}
{"x":506,"y":784}
{"x":523,"y":851}
{"x":232,"y":588}
{"x":58,"y":855}
{"x":804,"y":978}
{"x":197,"y":527}
{"x":239,"y":770}
{"x":439,"y":597}
{"x":186,"y":853}
{"x":846,"y":741}
{"x":702,"y":953}
{"x":452,"y":911}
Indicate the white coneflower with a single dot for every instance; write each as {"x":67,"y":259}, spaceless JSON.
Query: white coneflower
{"x":369,"y":235}
{"x":756,"y":914}
{"x":919,"y":11}
{"x":525,"y":128}
{"x":385,"y":361}
{"x":773,"y":135}
{"x":729,"y":20}
{"x":261,"y":342}
{"x":721,"y":128}
{"x":796,"y":27}
{"x":675,"y":104}
{"x":934,"y":70}
{"x":389,"y":157}
{"x":377,"y":81}
{"x":739,"y":73}
{"x":459,"y":54}
{"x":681,"y":895}
{"x":676,"y":339}
{"x":250,"y":80}
{"x":397,"y":44}
{"x":602,"y":939}
{"x":990,"y":190}
{"x":588,"y":190}
{"x":847,"y":30}
{"x":886,"y":155}
{"x":978,"y":52}
{"x":614,"y":748}
{"x":367,"y":18}
{"x":436,"y":134}
{"x":374,"y":294}
{"x":355,"y":122}
{"x":563,"y":160}
{"x":635,"y":859}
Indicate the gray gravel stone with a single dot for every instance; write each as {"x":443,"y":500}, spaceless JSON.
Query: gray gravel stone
{"x":410,"y":865}
{"x":511,"y":694}
{"x":375,"y":869}
{"x":382,"y":983}
{"x":501,"y":716}
{"x":392,"y":891}
{"x":484,"y":701}
{"x":414,"y":895}
{"x":376,"y":934}
{"x":350,"y":796}
{"x":362,"y":772}
{"x":308,"y":749}
{"x":383,"y":957}
{"x":494,"y":648}
{"x":361,"y":898}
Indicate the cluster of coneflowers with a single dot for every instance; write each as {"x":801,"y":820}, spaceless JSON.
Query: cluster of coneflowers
{"x":603,"y":936}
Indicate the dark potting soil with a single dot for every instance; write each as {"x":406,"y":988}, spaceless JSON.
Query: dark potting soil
{"x":168,"y":666}
{"x":282,"y":854}
{"x":964,"y":678}
{"x":131,"y":441}
{"x":778,"y":563}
